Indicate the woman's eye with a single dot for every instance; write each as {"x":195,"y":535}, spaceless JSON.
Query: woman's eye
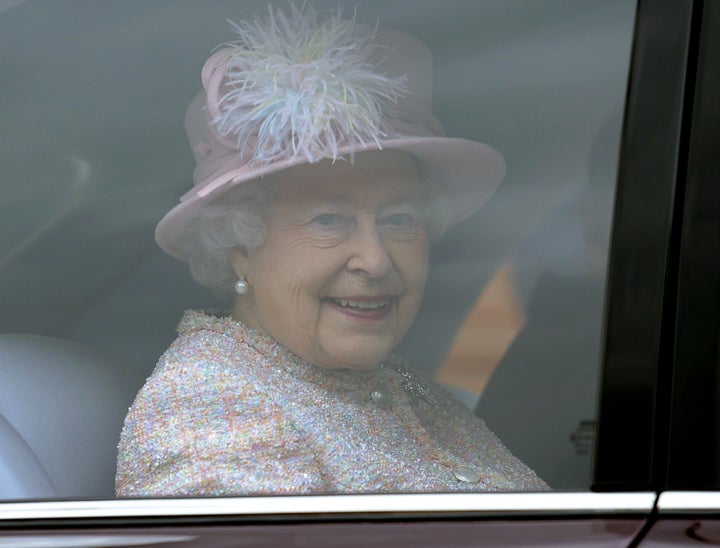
{"x":400,"y":220}
{"x":329,"y":219}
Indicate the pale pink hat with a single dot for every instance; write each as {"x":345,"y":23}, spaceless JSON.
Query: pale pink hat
{"x":298,"y":89}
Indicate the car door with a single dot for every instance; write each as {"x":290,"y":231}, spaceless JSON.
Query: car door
{"x":601,"y":241}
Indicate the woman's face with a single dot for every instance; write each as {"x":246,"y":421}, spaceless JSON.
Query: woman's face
{"x":340,"y":276}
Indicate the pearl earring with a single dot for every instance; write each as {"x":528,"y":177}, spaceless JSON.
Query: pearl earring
{"x":241,"y":286}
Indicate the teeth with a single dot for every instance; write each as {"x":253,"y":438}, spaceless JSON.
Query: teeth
{"x":363,"y":304}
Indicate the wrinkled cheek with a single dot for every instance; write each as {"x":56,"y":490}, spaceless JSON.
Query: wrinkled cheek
{"x":416,"y":268}
{"x":297,"y":310}
{"x":407,"y":312}
{"x":422,"y":263}
{"x":303,"y":313}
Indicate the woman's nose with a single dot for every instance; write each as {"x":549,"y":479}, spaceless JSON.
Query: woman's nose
{"x":369,"y":256}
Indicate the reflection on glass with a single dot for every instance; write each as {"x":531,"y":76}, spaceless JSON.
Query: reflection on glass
{"x":322,"y":175}
{"x":510,"y":315}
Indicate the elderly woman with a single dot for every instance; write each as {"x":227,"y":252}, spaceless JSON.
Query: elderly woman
{"x":322,"y":175}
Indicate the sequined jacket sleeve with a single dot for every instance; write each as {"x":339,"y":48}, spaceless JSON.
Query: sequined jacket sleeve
{"x":199,"y":427}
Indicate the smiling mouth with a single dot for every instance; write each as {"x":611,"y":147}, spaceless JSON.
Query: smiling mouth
{"x":363,"y":305}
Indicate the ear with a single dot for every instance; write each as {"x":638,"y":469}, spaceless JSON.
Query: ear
{"x":240,"y":261}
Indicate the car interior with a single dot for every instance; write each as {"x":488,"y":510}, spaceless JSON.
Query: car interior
{"x":93,"y":153}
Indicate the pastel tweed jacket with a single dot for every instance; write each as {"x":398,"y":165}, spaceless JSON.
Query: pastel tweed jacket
{"x":228,"y":411}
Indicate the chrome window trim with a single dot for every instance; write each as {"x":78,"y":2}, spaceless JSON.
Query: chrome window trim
{"x":671,"y":502}
{"x":515,"y":504}
{"x":60,"y":540}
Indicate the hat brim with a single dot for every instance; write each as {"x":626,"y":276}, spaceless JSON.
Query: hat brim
{"x":468,"y":172}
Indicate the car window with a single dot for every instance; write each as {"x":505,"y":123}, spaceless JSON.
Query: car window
{"x":94,"y":154}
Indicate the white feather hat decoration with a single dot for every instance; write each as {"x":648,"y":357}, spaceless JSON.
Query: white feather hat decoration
{"x":297,"y":85}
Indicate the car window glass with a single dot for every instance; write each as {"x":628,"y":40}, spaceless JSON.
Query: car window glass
{"x":93,"y":154}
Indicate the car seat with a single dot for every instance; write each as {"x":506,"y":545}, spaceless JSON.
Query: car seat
{"x":61,"y":411}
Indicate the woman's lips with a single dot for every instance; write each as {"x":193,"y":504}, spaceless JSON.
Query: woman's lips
{"x":363,"y":308}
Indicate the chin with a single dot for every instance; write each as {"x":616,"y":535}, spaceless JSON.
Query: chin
{"x":362,"y":366}
{"x":361,"y":354}
{"x":363,"y":361}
